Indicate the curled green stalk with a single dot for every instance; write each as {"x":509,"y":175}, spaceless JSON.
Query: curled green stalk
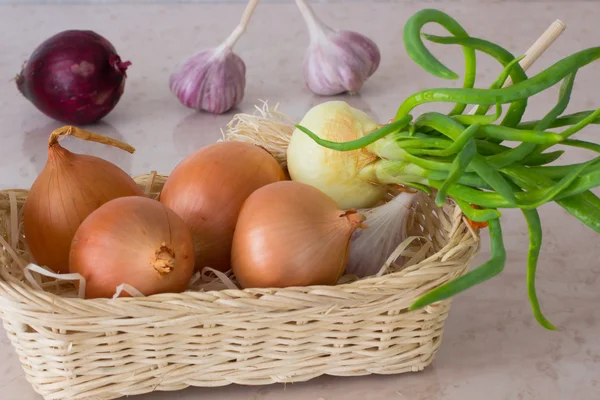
{"x":534,"y":226}
{"x":535,"y":241}
{"x":559,"y":187}
{"x":479,"y":119}
{"x":453,"y":130}
{"x":548,"y":171}
{"x":486,"y":271}
{"x":459,"y":166}
{"x":565,"y":120}
{"x":456,"y":146}
{"x":400,"y":155}
{"x":417,"y":51}
{"x":519,"y":135}
{"x":582,"y":144}
{"x":424,"y":145}
{"x":467,"y":179}
{"x":524,"y":150}
{"x":518,"y":91}
{"x":564,"y":97}
{"x":476,"y":214}
{"x":487,"y":148}
{"x":505,"y":58}
{"x":543,"y":159}
{"x":506,"y":72}
{"x":360,"y":142}
{"x":581,"y":184}
{"x":387,"y":172}
{"x":581,"y":124}
{"x":406,"y":173}
{"x":514,"y":156}
{"x":584,"y":206}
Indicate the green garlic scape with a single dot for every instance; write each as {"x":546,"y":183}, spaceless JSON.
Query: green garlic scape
{"x":463,"y":156}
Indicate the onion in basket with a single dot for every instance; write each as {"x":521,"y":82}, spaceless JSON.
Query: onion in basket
{"x":207,"y":190}
{"x":68,"y":189}
{"x":291,"y":234}
{"x":134,"y":241}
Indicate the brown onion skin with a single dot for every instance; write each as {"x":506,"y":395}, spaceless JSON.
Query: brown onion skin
{"x":291,"y":234}
{"x":67,"y":190}
{"x":119,"y":243}
{"x":75,"y":76}
{"x":207,"y":190}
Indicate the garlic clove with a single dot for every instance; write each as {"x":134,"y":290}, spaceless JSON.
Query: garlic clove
{"x":341,"y":62}
{"x":336,"y":61}
{"x":212,"y":80}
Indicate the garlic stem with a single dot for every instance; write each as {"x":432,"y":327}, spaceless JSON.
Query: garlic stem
{"x":315,"y":26}
{"x":241,"y":28}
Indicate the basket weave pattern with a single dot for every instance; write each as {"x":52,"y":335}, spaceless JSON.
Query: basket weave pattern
{"x":104,"y":349}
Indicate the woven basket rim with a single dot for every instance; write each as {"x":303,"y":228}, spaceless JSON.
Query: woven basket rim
{"x":255,"y":293}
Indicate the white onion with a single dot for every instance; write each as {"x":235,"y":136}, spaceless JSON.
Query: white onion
{"x":336,"y":173}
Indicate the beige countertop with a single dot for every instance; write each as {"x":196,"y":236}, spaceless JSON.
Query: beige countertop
{"x":492,"y":347}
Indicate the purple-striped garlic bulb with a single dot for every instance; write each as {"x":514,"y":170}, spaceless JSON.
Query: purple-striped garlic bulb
{"x":214,"y":79}
{"x":336,"y":61}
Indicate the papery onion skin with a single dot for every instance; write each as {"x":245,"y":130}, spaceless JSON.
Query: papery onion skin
{"x":67,"y":190}
{"x":372,"y":247}
{"x":136,"y":241}
{"x":75,"y":76}
{"x":207,"y":190}
{"x":291,"y":234}
{"x":335,"y":173}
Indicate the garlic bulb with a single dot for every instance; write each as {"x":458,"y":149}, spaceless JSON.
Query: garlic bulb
{"x":336,"y":61}
{"x":214,"y":79}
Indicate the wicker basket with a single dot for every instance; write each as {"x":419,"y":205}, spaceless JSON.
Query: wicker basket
{"x":104,"y":349}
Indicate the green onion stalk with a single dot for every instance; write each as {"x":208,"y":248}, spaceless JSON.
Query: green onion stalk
{"x":484,"y":163}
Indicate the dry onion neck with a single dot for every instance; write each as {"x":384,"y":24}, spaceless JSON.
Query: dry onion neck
{"x":69,"y":130}
{"x":357,"y":220}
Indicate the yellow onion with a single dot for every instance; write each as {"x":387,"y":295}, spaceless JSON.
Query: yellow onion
{"x":207,"y":190}
{"x":291,"y":234}
{"x":133,"y":241}
{"x":67,"y":190}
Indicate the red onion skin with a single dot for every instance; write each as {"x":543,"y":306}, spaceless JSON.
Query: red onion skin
{"x":75,"y":77}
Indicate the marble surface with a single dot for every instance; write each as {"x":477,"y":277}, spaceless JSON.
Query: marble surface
{"x":492,"y":347}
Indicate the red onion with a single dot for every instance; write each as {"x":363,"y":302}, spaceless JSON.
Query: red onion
{"x":75,"y":77}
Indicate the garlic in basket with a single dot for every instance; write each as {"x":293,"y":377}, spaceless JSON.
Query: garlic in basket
{"x":336,"y":61}
{"x":370,"y":248}
{"x":214,"y":80}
